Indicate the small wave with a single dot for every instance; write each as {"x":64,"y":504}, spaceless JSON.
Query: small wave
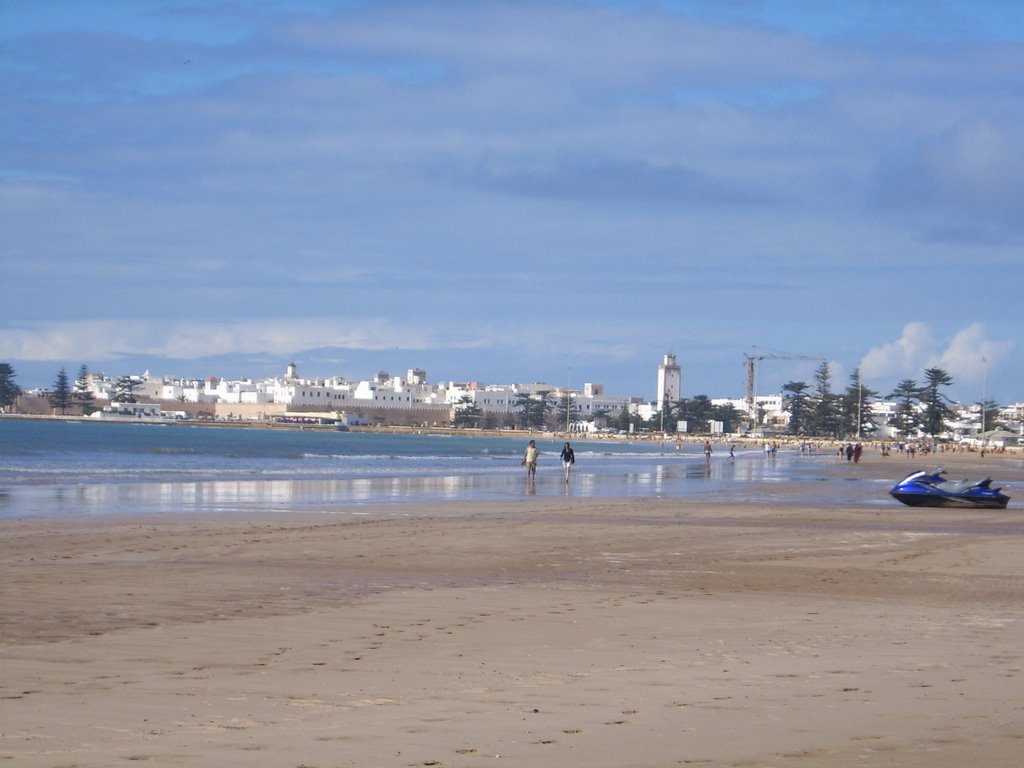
{"x":411,"y":458}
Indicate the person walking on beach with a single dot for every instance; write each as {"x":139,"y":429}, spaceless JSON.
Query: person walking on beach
{"x":707,"y":450}
{"x":568,"y":459}
{"x":530,"y":460}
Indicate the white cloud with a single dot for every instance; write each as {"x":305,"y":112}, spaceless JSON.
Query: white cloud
{"x":966,"y":356}
{"x":839,"y":375}
{"x":904,"y":358}
{"x":970,"y":354}
{"x":108,"y":339}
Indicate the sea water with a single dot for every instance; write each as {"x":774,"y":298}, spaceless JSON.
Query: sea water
{"x":76,"y":468}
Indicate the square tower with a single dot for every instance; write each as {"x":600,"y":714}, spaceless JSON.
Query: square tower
{"x":669,"y":380}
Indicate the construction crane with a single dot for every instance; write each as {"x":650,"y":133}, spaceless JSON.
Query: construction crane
{"x":753,"y":360}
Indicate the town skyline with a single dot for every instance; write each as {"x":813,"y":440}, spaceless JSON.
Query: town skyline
{"x":771,"y":385}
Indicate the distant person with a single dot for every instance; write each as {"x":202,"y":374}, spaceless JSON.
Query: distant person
{"x":530,"y":460}
{"x":568,"y":457}
{"x":857,"y":449}
{"x":732,"y":452}
{"x":707,"y":450}
{"x":849,"y":451}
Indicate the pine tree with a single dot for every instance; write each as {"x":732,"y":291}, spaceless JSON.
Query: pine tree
{"x":827,"y":406}
{"x":533,"y":409}
{"x":698,"y":414}
{"x":83,"y":396}
{"x":466,"y":413}
{"x":524,"y":404}
{"x":729,"y":415}
{"x":988,"y":411}
{"x":936,"y":410}
{"x":60,"y":397}
{"x":566,"y":411}
{"x":799,"y":406}
{"x":856,"y":406}
{"x":125,"y":390}
{"x":908,"y":395}
{"x":542,"y":409}
{"x":9,"y":391}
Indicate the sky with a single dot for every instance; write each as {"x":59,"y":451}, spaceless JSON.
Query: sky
{"x":506,"y":192}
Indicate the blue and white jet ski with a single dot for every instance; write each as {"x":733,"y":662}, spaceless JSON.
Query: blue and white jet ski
{"x":933,"y":489}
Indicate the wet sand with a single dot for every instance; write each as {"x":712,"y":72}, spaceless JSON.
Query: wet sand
{"x":545,"y":631}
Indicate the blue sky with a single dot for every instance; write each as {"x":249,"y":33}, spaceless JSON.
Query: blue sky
{"x":515,"y":192}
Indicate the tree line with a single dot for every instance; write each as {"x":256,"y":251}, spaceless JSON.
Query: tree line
{"x":815,"y":409}
{"x":544,"y":410}
{"x":819,"y":411}
{"x":65,"y":394}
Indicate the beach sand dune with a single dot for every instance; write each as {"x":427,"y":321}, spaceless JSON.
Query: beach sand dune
{"x":538,"y":632}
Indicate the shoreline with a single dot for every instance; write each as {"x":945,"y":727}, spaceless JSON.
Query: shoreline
{"x":803,"y":482}
{"x":329,"y":484}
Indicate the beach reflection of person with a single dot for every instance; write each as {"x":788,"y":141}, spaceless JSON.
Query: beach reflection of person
{"x":568,"y":459}
{"x":530,"y":461}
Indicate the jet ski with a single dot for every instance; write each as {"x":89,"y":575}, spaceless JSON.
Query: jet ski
{"x":934,"y":489}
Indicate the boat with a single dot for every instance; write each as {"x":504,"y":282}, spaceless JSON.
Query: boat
{"x":934,"y":489}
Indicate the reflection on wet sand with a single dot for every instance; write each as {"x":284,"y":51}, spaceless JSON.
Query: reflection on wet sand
{"x":796,"y":481}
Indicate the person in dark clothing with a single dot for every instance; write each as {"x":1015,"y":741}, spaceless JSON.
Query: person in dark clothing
{"x":568,"y":459}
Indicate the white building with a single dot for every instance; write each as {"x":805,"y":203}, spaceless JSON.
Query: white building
{"x":334,"y":393}
{"x":411,"y":391}
{"x":770,"y":409}
{"x":491,"y":398}
{"x":130,"y":411}
{"x":592,"y":402}
{"x":670,"y":379}
{"x":383,"y":392}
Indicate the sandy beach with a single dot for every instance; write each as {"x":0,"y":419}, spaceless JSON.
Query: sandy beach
{"x":544,"y":631}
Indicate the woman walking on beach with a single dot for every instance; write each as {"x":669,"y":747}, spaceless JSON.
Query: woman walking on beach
{"x":568,"y":459}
